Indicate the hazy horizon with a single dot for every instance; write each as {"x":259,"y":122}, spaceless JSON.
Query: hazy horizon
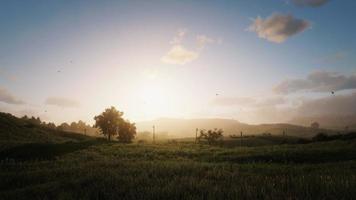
{"x":252,"y":61}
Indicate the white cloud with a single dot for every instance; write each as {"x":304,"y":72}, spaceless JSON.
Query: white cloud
{"x":203,"y":40}
{"x":179,"y":55}
{"x":61,"y":102}
{"x":179,"y":37}
{"x":278,"y":28}
{"x":7,"y":97}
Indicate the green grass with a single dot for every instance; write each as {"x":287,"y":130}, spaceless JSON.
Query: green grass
{"x":182,"y":171}
{"x":39,"y":163}
{"x":15,"y":130}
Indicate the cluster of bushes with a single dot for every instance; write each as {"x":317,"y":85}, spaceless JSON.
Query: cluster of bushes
{"x":211,"y":136}
{"x":325,"y":137}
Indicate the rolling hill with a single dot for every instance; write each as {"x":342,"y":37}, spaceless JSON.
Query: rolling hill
{"x":17,"y":130}
{"x":186,"y":127}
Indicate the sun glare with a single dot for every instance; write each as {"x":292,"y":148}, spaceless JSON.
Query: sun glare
{"x":156,"y":99}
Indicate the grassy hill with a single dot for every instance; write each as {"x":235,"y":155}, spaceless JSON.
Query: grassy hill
{"x":13,"y":129}
{"x":23,"y":140}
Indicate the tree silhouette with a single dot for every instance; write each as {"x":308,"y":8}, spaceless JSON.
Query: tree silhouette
{"x":111,"y":123}
{"x":127,"y":131}
{"x":211,"y":136}
{"x":63,"y":127}
{"x":315,"y":125}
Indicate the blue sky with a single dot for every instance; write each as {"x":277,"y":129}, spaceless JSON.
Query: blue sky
{"x":68,"y":60}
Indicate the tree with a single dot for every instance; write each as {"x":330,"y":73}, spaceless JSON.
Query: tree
{"x":81,"y":126}
{"x":25,"y":117}
{"x":63,"y":127}
{"x":111,"y":123}
{"x":73,"y":126}
{"x":51,"y":125}
{"x":127,"y":131}
{"x":211,"y":136}
{"x":315,"y":125}
{"x":35,"y":121}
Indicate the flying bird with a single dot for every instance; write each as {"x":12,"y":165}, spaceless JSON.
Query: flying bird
{"x":332,"y":92}
{"x":216,"y":94}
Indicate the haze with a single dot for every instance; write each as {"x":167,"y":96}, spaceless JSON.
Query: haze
{"x":253,"y":61}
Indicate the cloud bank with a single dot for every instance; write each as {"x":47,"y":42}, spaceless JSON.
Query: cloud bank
{"x":7,"y":97}
{"x":249,"y":101}
{"x":318,"y":81}
{"x":278,"y":28}
{"x":310,"y":3}
{"x":329,"y":106}
{"x":61,"y":102}
{"x":234,"y":101}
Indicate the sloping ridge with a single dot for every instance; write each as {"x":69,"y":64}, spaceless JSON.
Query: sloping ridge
{"x":187,"y":127}
{"x":18,"y":130}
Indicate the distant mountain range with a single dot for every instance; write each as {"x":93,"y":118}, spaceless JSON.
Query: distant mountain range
{"x":186,"y":127}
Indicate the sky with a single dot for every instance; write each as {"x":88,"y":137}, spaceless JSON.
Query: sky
{"x":256,"y":61}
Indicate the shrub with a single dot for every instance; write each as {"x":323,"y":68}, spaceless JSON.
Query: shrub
{"x":320,"y":137}
{"x":211,"y":136}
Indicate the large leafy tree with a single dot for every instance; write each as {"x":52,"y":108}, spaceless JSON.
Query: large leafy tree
{"x":111,"y":123}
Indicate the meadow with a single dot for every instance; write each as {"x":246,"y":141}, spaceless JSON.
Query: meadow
{"x":178,"y":170}
{"x":41,"y":163}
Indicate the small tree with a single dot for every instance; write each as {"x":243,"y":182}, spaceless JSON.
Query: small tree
{"x":211,"y":136}
{"x":315,"y":125}
{"x":127,"y":131}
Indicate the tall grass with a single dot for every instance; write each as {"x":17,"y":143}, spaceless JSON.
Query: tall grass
{"x":184,"y":171}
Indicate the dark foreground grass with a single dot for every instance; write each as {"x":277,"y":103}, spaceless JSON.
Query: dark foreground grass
{"x":184,"y":171}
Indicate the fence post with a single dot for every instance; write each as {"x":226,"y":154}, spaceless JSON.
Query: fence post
{"x":196,"y":135}
{"x":153,"y":134}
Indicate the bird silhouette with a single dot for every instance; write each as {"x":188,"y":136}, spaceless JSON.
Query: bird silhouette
{"x":332,"y":92}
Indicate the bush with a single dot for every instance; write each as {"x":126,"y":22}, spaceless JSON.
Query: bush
{"x":320,"y":137}
{"x":211,"y":136}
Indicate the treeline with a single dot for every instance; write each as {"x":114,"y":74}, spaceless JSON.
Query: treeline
{"x":77,"y":127}
{"x":324,"y":137}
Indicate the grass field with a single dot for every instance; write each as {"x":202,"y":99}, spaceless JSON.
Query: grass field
{"x":183,"y":170}
{"x":40,"y":163}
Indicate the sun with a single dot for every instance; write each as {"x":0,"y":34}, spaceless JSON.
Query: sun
{"x":156,"y":99}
